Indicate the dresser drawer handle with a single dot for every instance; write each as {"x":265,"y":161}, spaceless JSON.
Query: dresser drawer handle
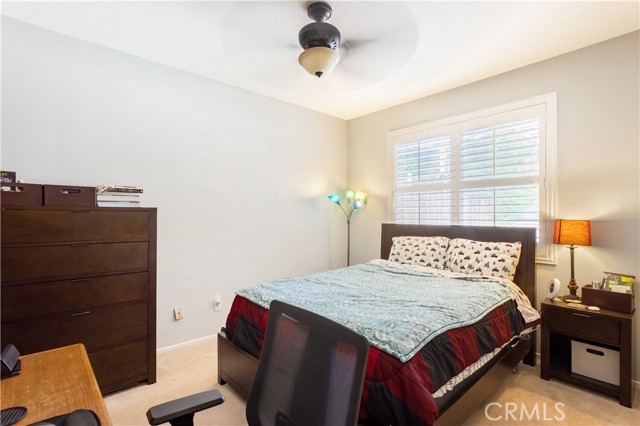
{"x":81,"y":313}
{"x":581,"y":315}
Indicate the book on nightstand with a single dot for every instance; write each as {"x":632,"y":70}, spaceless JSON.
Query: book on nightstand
{"x":618,"y":283}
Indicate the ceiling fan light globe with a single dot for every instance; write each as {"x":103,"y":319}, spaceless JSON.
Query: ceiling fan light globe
{"x":319,"y":61}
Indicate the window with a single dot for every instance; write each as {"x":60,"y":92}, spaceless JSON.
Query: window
{"x":494,"y":167}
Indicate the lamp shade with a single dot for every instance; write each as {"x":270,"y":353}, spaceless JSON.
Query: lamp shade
{"x":572,"y":232}
{"x":360,"y":200}
{"x":335,"y":198}
{"x":319,"y":61}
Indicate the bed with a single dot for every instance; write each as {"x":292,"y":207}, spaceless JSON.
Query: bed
{"x":405,"y":387}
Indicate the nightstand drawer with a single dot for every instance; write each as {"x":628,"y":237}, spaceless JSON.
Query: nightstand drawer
{"x":586,"y":326}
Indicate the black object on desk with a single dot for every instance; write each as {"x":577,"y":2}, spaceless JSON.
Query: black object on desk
{"x":12,"y":415}
{"x":10,"y":362}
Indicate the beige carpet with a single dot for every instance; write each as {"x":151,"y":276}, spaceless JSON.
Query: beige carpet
{"x":524,"y":400}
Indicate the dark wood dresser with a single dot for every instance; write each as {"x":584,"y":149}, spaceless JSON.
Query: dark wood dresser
{"x":82,"y":275}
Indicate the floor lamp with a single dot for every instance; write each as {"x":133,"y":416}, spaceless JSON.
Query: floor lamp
{"x":355,"y":201}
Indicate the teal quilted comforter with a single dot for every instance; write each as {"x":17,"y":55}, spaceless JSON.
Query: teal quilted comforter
{"x":398,"y":310}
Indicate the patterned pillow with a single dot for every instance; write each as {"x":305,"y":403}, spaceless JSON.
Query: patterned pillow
{"x":422,"y":251}
{"x":483,"y":258}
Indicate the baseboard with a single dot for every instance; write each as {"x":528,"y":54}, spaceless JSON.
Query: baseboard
{"x":185,"y":344}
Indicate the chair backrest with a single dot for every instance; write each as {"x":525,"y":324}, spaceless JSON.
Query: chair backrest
{"x":311,"y":371}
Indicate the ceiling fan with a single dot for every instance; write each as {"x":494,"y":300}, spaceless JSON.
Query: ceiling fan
{"x":320,"y":41}
{"x":371,"y":42}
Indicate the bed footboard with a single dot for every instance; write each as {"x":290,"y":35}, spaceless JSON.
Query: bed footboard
{"x":238,"y":369}
{"x":235,"y":366}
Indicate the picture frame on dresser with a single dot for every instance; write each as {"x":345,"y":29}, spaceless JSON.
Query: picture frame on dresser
{"x":99,"y":266}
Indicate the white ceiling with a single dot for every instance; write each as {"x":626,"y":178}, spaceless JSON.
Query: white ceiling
{"x":393,"y":51}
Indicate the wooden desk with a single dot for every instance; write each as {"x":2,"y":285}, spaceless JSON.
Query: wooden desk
{"x":52,"y":383}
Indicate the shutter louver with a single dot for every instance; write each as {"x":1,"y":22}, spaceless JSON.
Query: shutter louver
{"x":497,"y":168}
{"x":494,"y":167}
{"x":503,"y":206}
{"x":507,"y":150}
{"x":423,"y":163}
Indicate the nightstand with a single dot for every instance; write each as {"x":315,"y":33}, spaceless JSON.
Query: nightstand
{"x":563,"y":323}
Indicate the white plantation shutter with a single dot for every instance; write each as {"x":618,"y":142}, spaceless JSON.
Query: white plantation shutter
{"x":489,"y":168}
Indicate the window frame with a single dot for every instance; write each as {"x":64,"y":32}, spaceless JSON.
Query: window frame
{"x":545,"y":249}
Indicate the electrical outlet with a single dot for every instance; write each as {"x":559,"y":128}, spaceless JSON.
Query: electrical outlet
{"x":217,"y":303}
{"x":177,"y":313}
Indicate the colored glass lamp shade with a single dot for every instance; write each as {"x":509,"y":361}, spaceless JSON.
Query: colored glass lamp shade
{"x":360,"y":200}
{"x":319,"y":60}
{"x":356,"y":200}
{"x":572,"y":233}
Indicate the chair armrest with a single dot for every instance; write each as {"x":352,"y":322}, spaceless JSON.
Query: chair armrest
{"x":186,"y":406}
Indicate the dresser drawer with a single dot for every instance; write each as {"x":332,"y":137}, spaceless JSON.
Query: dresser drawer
{"x":585,"y":326}
{"x":21,"y":264}
{"x":117,"y":366}
{"x":95,"y":328}
{"x":24,"y":301}
{"x":79,"y":225}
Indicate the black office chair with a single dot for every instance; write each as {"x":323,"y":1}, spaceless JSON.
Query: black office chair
{"x":75,"y":418}
{"x":311,"y":372}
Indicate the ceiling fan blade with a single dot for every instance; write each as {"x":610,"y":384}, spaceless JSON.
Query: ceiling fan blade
{"x":355,"y":43}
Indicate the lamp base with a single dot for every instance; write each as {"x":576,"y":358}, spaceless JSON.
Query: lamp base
{"x":572,"y":298}
{"x":573,"y":286}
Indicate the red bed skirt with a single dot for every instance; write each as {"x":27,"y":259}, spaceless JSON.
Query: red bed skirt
{"x":397,"y":393}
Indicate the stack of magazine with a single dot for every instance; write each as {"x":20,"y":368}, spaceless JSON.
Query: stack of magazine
{"x":618,"y":283}
{"x":118,"y":196}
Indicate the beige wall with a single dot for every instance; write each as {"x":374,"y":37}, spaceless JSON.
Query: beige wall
{"x":239,"y":180}
{"x":598,"y":150}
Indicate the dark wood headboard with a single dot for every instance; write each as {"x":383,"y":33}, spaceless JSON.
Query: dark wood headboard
{"x":525,"y":276}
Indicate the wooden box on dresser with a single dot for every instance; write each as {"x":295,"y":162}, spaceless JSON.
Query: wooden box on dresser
{"x":82,"y":275}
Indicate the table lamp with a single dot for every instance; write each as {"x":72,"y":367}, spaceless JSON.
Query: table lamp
{"x":574,"y":233}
